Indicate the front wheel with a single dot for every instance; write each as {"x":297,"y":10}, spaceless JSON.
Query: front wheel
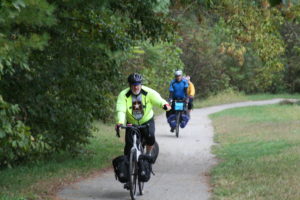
{"x":177,"y":124}
{"x":133,"y":173}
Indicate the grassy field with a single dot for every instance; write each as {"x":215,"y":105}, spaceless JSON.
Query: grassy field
{"x":39,"y":180}
{"x":231,"y":96}
{"x":259,"y":152}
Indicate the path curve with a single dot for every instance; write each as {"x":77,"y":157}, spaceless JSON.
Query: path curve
{"x":181,"y":169}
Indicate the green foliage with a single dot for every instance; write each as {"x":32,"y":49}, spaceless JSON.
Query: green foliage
{"x":201,"y":56}
{"x":61,"y":64}
{"x":254,"y":29}
{"x":22,"y":22}
{"x":16,"y":140}
{"x":290,"y":32}
{"x":155,"y":62}
{"x":233,"y":44}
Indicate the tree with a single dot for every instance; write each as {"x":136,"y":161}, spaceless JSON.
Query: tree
{"x":71,"y":74}
{"x":22,"y":24}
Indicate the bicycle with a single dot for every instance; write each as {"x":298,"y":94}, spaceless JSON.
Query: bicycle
{"x":136,"y":151}
{"x":179,"y":107}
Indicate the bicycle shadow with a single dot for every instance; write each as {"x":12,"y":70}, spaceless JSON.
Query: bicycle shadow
{"x":116,"y":195}
{"x":171,"y":135}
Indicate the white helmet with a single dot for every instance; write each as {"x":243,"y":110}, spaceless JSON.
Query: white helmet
{"x":178,"y":73}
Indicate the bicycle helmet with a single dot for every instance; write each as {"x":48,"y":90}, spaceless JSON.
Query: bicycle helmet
{"x":135,"y":79}
{"x":178,"y":73}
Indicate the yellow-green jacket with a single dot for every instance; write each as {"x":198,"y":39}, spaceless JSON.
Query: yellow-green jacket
{"x":124,"y":105}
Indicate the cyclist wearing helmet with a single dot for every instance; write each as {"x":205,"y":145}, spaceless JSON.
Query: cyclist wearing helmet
{"x":134,"y":106}
{"x":191,"y":93}
{"x":178,"y":87}
{"x":178,"y":90}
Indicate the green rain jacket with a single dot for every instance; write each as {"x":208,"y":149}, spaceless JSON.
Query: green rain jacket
{"x":124,"y":105}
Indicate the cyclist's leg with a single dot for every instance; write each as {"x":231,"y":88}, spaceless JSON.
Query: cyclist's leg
{"x":190,"y":105}
{"x":128,"y":142}
{"x":149,"y":135}
{"x":127,"y":150}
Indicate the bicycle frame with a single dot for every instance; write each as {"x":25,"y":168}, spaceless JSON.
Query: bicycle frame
{"x":179,"y":107}
{"x":135,"y":147}
{"x":135,"y":152}
{"x":134,"y":138}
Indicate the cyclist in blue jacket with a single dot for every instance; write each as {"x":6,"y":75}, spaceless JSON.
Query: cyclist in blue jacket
{"x":178,"y":90}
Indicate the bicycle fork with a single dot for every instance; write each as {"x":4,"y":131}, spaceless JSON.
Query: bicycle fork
{"x":136,"y":148}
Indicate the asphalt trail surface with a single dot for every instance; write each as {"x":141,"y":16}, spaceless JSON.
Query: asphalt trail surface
{"x":181,"y":170}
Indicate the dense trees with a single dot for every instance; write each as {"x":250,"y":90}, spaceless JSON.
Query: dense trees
{"x":240,"y":44}
{"x":62,"y":63}
{"x":61,"y":67}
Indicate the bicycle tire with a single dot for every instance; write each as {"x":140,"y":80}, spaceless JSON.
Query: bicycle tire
{"x":177,"y":124}
{"x":132,"y":173}
{"x":140,"y":183}
{"x":155,"y":151}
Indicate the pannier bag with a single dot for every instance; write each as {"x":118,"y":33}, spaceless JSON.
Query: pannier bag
{"x":172,"y":120}
{"x":145,"y":168}
{"x":121,"y":168}
{"x":184,"y":120}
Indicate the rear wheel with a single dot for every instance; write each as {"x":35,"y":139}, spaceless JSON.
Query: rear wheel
{"x":140,"y":183}
{"x":177,"y":124}
{"x":155,"y":152}
{"x":132,"y":173}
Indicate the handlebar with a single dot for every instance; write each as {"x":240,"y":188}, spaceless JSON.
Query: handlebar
{"x":130,"y":126}
{"x":133,"y":126}
{"x":180,"y":100}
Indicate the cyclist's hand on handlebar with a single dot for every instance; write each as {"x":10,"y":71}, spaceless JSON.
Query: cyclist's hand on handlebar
{"x":167,"y":107}
{"x":117,"y":128}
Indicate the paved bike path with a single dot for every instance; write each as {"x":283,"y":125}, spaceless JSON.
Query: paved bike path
{"x":182,"y":168}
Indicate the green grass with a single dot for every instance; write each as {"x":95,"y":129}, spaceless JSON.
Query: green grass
{"x":259,"y":152}
{"x":230,"y":96}
{"x":39,"y":180}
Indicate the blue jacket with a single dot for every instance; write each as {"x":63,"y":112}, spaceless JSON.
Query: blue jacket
{"x":178,"y":88}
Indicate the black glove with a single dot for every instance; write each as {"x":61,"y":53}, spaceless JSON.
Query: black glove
{"x":167,"y":107}
{"x":117,"y":129}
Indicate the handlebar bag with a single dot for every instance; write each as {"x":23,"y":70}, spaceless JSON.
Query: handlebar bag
{"x":179,"y":106}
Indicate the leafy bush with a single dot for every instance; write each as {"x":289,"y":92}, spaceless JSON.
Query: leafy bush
{"x":156,"y":63}
{"x":61,"y":65}
{"x":233,"y":44}
{"x":290,"y":32}
{"x":16,"y":141}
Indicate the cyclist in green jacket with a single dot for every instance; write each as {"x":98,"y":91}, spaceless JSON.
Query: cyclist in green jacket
{"x":134,"y":106}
